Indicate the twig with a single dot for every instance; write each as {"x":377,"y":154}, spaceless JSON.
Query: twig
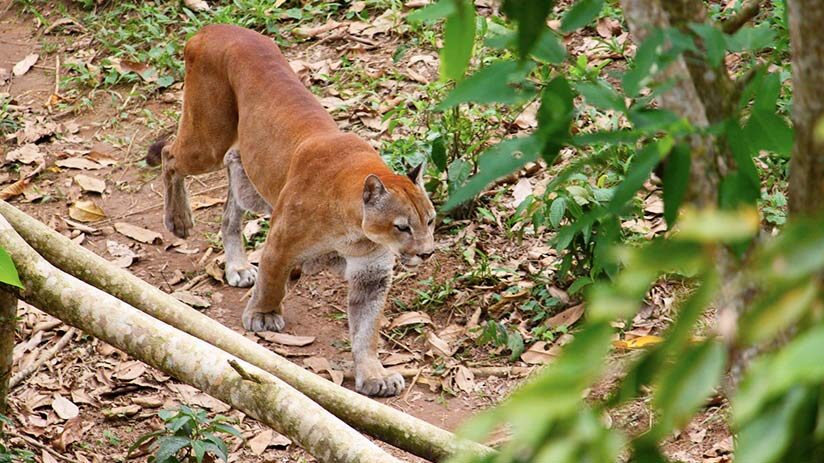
{"x":749,"y":10}
{"x":479,"y":372}
{"x":411,"y":385}
{"x":57,"y":74}
{"x":194,"y":281}
{"x":40,"y":446}
{"x":245,"y":374}
{"x":29,"y":370}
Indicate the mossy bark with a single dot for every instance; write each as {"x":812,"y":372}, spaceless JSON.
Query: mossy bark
{"x":185,"y":357}
{"x":380,"y":421}
{"x":8,"y":323}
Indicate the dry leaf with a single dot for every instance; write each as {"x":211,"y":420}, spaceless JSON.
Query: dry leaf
{"x":566,"y":318}
{"x":287,"y":339}
{"x":78,"y":163}
{"x":191,"y":299}
{"x":124,"y":256}
{"x":439,"y":345}
{"x":213,"y":270}
{"x":608,"y":27}
{"x":64,"y":407}
{"x":202,"y":202}
{"x":521,"y":191}
{"x":259,"y":443}
{"x":103,"y":159}
{"x":130,"y":371}
{"x":317,"y":364}
{"x":138,"y":234}
{"x":410,"y":318}
{"x":197,"y":5}
{"x":92,"y":184}
{"x":86,"y":211}
{"x":539,"y":353}
{"x":309,"y":32}
{"x":397,"y":359}
{"x":25,"y":154}
{"x":638,"y":343}
{"x":25,"y":64}
{"x":465,"y":379}
{"x":47,"y":457}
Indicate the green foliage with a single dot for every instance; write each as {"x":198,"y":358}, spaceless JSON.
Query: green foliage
{"x":10,"y":454}
{"x":8,"y":272}
{"x":188,"y":437}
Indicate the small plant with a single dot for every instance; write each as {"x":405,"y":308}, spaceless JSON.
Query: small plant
{"x":10,"y":454}
{"x":188,"y":436}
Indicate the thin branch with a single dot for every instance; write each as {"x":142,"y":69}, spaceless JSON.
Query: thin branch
{"x":29,"y":370}
{"x":748,"y":11}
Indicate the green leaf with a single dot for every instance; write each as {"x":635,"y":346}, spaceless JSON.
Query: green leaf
{"x":643,"y":67}
{"x":555,"y":117}
{"x":225,"y":428}
{"x":685,"y":385}
{"x":639,"y":171}
{"x":438,"y":154}
{"x":676,"y":180}
{"x":199,"y":450}
{"x":715,"y":43}
{"x":751,"y":38}
{"x":718,"y":226}
{"x":433,"y":12}
{"x":458,"y":40}
{"x":165,"y":81}
{"x":601,"y":95}
{"x":556,"y":211}
{"x":766,"y":437}
{"x":168,"y":446}
{"x":797,"y":363}
{"x":531,"y":18}
{"x":581,"y":14}
{"x":515,"y":343}
{"x":550,"y":49}
{"x":8,"y":272}
{"x":501,"y":82}
{"x":499,"y":160}
{"x":776,"y":311}
{"x":769,"y":131}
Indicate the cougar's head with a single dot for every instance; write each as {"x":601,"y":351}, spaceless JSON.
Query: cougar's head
{"x":398,"y":214}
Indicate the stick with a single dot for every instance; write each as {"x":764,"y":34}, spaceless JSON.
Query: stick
{"x":187,"y":358}
{"x":380,"y":421}
{"x":29,"y":370}
{"x":749,"y":10}
{"x":40,"y":446}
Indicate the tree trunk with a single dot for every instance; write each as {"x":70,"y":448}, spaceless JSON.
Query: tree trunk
{"x":380,"y":421}
{"x":191,"y":360}
{"x":8,"y":323}
{"x":807,"y":164}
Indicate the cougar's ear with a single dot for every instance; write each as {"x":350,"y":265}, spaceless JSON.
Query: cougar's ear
{"x":373,"y":190}
{"x":416,"y":174}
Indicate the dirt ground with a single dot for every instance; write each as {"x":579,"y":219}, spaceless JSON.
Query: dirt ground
{"x":118,"y":398}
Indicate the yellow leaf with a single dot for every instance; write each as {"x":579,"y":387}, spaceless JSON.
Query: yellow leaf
{"x":86,"y":211}
{"x":638,"y":343}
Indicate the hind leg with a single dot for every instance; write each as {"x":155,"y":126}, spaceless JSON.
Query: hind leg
{"x":178,"y":214}
{"x":242,"y":196}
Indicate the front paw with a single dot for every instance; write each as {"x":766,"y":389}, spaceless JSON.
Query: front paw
{"x":179,"y":222}
{"x":263,"y":321}
{"x":384,"y":384}
{"x":241,"y":277}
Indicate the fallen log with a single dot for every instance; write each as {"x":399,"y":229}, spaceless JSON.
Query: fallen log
{"x":193,"y":361}
{"x":366,"y":415}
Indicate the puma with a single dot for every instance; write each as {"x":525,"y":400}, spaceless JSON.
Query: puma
{"x":334,"y":203}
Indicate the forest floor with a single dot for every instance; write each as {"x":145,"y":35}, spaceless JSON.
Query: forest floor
{"x":93,"y":179}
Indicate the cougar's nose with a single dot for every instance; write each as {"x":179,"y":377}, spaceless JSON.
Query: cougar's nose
{"x":425,"y":255}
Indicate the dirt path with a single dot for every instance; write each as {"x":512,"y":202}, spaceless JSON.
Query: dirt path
{"x":100,"y":379}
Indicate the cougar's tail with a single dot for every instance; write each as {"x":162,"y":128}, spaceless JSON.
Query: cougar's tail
{"x":154,"y":157}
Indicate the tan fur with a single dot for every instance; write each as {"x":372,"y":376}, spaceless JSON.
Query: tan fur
{"x":333,"y":199}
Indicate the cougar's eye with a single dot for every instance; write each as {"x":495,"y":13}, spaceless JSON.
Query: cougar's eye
{"x":430,"y":222}
{"x":402,"y":228}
